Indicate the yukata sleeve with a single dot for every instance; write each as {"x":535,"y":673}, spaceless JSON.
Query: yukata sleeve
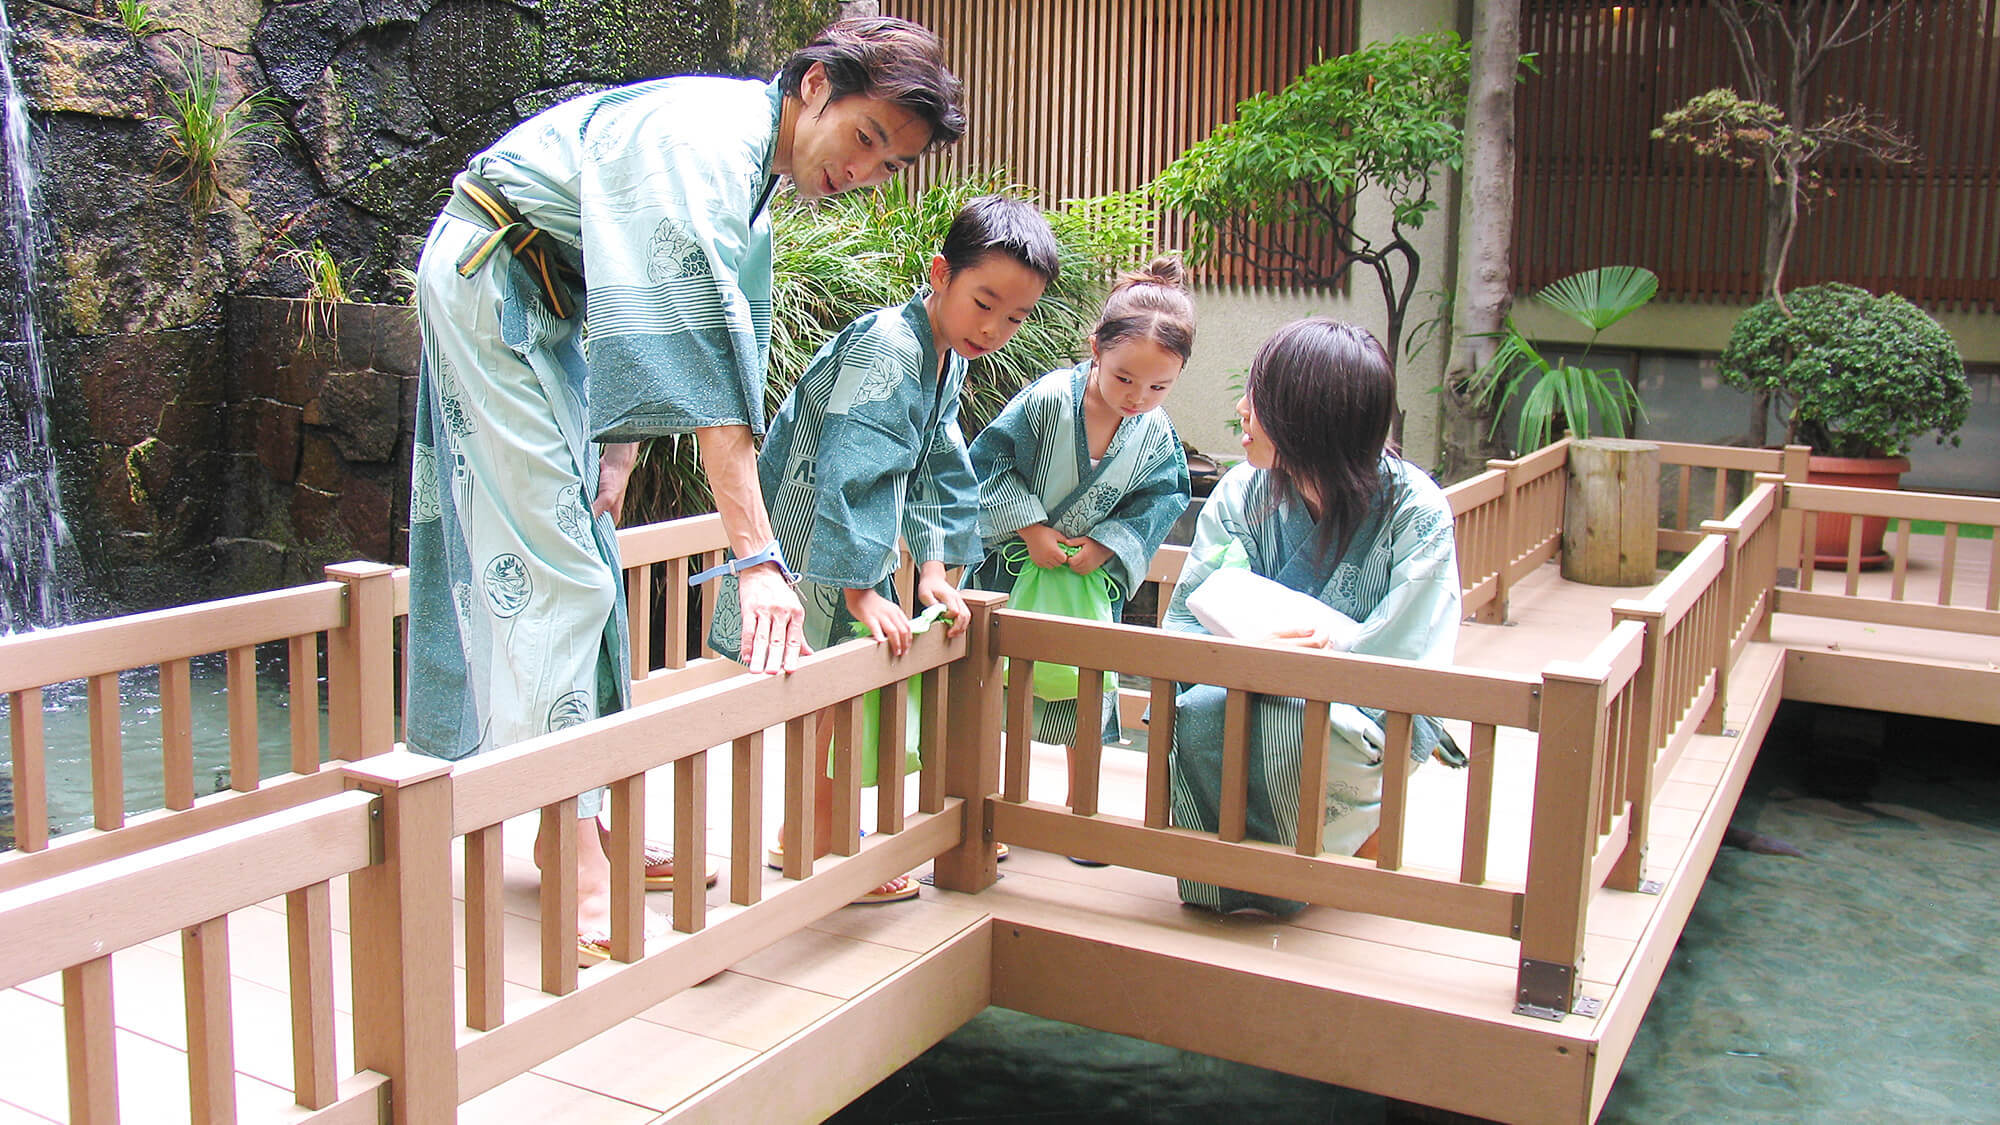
{"x":1221,"y":524}
{"x":667,"y":231}
{"x":1418,"y":618}
{"x":941,"y":519}
{"x":1139,"y":522}
{"x":1001,"y":455}
{"x":864,"y":461}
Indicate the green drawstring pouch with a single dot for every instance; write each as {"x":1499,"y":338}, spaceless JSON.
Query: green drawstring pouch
{"x":1064,"y":593}
{"x":868,"y":753}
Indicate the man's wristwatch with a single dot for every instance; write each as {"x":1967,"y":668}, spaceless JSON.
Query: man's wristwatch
{"x":770,"y":554}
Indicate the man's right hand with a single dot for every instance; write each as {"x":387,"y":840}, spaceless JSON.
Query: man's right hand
{"x":774,"y":623}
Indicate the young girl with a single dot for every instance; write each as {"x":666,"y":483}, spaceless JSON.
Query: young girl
{"x":1083,"y":469}
{"x":1326,"y":507}
{"x":867,"y":448}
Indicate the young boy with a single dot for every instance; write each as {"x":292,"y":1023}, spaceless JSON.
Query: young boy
{"x":867,"y":448}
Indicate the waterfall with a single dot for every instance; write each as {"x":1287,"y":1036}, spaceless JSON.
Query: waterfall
{"x":35,"y":546}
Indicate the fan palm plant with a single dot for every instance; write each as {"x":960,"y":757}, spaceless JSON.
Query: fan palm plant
{"x":1560,"y":395}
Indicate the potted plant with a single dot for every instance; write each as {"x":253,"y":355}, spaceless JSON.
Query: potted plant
{"x":1857,"y":377}
{"x":1562,"y":395}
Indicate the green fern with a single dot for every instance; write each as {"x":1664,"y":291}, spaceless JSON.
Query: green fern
{"x":201,"y":129}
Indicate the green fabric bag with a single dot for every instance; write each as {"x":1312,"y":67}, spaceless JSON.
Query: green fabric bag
{"x":1062,"y":592}
{"x":867,"y":754}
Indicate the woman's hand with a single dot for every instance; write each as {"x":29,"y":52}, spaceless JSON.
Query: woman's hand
{"x":934,"y":587}
{"x":1090,"y":554}
{"x":774,"y":623}
{"x":1300,"y":637}
{"x":1045,"y":547}
{"x":614,"y":472}
{"x":885,"y":620}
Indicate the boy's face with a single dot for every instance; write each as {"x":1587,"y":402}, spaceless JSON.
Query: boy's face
{"x":853,"y":143}
{"x":979,"y":308}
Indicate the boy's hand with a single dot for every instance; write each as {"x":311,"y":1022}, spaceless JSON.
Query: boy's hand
{"x":934,"y":587}
{"x":1045,"y":547}
{"x":1090,"y":554}
{"x":885,"y":620}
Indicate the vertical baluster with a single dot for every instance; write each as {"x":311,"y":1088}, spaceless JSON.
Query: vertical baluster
{"x":302,"y":703}
{"x":1719,"y":502}
{"x":1397,"y":730}
{"x":1233,"y":821}
{"x":675,"y":612}
{"x":1687,"y":480}
{"x":1948,"y":566}
{"x":932,"y":745}
{"x":241,"y":693}
{"x":1086,"y":755}
{"x":177,"y":733}
{"x":892,"y":723}
{"x":1478,"y":804}
{"x":558,"y":897}
{"x":107,"y":753}
{"x":1854,"y":525}
{"x":1159,"y":744}
{"x":746,"y":820}
{"x":1901,"y":573}
{"x":690,"y":843}
{"x":485,"y":997}
{"x":639,"y":615}
{"x":846,"y":828}
{"x":211,"y":1042}
{"x":801,"y":766}
{"x":1312,"y":778}
{"x":31,"y":784}
{"x":1020,"y":725}
{"x":708,"y":559}
{"x":309,"y":954}
{"x":627,"y":852}
{"x":90,"y":1036}
{"x":1806,"y":562}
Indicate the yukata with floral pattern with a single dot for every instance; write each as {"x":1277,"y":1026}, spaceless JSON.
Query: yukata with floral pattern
{"x":865,"y":449}
{"x":517,"y":621}
{"x":1398,"y":579}
{"x":1034,"y":466}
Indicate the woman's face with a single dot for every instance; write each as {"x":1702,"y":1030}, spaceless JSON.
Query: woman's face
{"x":1256,"y":445}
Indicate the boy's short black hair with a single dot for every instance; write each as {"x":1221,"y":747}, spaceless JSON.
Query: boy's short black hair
{"x":888,"y":59}
{"x":996,"y":224}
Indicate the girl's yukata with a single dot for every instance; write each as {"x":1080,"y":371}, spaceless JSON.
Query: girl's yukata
{"x":1398,"y":579}
{"x":1034,"y":467}
{"x":865,"y":448}
{"x":516,"y":605}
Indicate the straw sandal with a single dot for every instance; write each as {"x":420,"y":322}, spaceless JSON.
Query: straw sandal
{"x":900,"y":889}
{"x":659,"y":862}
{"x":593,"y":947}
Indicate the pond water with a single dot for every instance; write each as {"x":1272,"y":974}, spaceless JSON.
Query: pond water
{"x":1854,"y":985}
{"x":66,"y":734}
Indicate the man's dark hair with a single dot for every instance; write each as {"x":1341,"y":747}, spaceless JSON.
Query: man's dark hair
{"x":995,"y":224}
{"x":888,"y":59}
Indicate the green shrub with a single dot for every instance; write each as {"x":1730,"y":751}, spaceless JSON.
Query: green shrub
{"x":864,"y":251}
{"x":200,"y":128}
{"x":1856,"y":375}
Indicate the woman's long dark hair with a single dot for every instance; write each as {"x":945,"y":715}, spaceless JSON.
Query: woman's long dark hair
{"x":1324,"y":393}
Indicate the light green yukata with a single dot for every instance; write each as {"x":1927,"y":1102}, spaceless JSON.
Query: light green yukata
{"x":865,"y":449}
{"x":1398,"y":579}
{"x":655,"y":194}
{"x":1033,"y":463}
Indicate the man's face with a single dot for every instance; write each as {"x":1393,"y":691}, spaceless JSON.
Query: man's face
{"x":855,"y":142}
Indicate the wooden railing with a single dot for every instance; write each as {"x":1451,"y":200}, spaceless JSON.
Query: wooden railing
{"x":1507,"y":521}
{"x":1963,"y":599}
{"x":1710,"y":478}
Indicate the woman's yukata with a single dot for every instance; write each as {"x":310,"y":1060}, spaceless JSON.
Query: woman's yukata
{"x":651,"y":197}
{"x":865,"y":448}
{"x":1034,"y":466}
{"x":1398,"y":579}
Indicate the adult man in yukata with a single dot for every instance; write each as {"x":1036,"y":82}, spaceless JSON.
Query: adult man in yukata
{"x":644,"y":207}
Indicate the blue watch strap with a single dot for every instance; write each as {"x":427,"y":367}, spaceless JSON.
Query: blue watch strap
{"x":770,"y":554}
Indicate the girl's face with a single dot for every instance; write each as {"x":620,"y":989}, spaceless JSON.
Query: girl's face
{"x":1256,"y":446}
{"x":1133,"y":375}
{"x":979,"y":308}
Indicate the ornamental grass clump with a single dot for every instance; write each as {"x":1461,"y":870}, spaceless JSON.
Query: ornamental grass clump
{"x":1853,"y":374}
{"x":201,"y":128}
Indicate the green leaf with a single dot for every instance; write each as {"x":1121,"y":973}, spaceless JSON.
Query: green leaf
{"x":1601,"y":297}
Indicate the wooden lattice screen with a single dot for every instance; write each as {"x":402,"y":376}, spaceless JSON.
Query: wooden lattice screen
{"x":1595,"y":189}
{"x":1078,"y":98}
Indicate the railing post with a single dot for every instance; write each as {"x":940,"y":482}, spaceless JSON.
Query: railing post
{"x":361,"y":663}
{"x":972,"y":765}
{"x":400,"y":925}
{"x":1560,"y":843}
{"x":1765,"y":576}
{"x":1495,"y":611}
{"x":1629,"y":873}
{"x":1795,"y":460}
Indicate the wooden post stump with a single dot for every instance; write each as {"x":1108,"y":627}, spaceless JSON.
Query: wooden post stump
{"x":1611,"y":512}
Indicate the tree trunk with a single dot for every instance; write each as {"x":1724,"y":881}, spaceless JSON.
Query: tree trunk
{"x":1485,"y":276}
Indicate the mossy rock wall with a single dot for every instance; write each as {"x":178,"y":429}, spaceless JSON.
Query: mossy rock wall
{"x":160,"y":405}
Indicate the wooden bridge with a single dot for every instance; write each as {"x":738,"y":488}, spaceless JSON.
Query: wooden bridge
{"x":363,"y":938}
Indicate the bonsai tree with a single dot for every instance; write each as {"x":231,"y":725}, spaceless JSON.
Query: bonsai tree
{"x":1564,"y":395}
{"x":1855,"y":375}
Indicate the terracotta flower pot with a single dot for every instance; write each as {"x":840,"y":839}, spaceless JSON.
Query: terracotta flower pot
{"x":1830,"y":543}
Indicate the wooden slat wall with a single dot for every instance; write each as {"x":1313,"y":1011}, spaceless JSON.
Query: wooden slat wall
{"x":1078,"y":98}
{"x":1595,"y":189}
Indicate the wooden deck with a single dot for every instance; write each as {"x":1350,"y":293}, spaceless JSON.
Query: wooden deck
{"x":1342,"y":997}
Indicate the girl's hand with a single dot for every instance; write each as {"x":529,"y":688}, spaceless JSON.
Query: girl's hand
{"x":885,"y":619}
{"x":614,"y":470}
{"x":1090,"y":554}
{"x":934,"y":587}
{"x":1045,"y":547}
{"x":1300,"y":637}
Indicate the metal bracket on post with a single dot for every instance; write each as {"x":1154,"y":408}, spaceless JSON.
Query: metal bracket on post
{"x":1651,"y":887}
{"x":1547,"y":991}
